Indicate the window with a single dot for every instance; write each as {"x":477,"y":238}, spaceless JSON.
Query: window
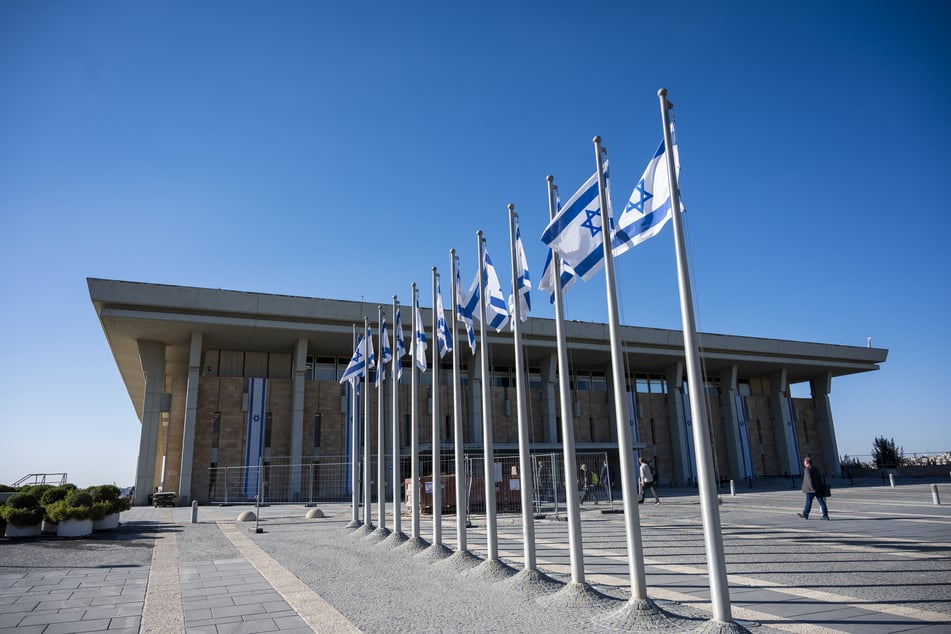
{"x":215,"y":429}
{"x":316,"y":430}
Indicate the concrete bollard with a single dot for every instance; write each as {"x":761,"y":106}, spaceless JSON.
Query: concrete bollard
{"x":891,"y":479}
{"x":732,"y":488}
{"x":195,"y":512}
{"x":934,"y":495}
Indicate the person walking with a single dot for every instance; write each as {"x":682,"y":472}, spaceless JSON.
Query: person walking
{"x":604,"y":482}
{"x":585,"y":484}
{"x":814,"y":486}
{"x":647,"y":480}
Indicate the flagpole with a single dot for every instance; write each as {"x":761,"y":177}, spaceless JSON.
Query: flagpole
{"x":354,"y":446}
{"x":367,"y":507}
{"x":414,"y":424}
{"x":524,"y":459}
{"x":461,"y":506}
{"x":710,"y":512}
{"x":632,"y":526}
{"x":575,"y":546}
{"x":492,"y":538}
{"x":397,"y":484}
{"x":436,"y":436}
{"x":380,"y":429}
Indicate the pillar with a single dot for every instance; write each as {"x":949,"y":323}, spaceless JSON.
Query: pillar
{"x":191,"y":415}
{"x":678,"y":424}
{"x":297,"y":417}
{"x":549,"y":376}
{"x":787,"y":452}
{"x":731,"y":421}
{"x":152,"y":358}
{"x":821,"y":387}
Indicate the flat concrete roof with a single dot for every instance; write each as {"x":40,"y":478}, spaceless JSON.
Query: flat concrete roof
{"x":239,"y":320}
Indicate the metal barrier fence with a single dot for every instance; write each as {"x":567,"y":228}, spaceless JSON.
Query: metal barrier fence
{"x":283,"y":482}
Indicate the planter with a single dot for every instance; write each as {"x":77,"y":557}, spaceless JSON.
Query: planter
{"x":31,"y":530}
{"x":49,"y":527}
{"x":74,"y":528}
{"x":108,"y":523}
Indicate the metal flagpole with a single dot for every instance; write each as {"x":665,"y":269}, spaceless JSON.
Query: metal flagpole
{"x":461,"y":506}
{"x":380,"y":428}
{"x":397,"y":483}
{"x":575,"y":546}
{"x":710,"y":512}
{"x":354,"y":446}
{"x":524,"y":459}
{"x":367,"y":514}
{"x":632,"y":522}
{"x":414,"y":423}
{"x":488,"y":459}
{"x":436,"y":436}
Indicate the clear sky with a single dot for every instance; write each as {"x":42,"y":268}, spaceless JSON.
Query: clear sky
{"x":340,"y":149}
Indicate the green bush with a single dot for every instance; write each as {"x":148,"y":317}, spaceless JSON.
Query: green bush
{"x":55,"y":494}
{"x":77,"y":505}
{"x":108,"y":494}
{"x":22,"y":509}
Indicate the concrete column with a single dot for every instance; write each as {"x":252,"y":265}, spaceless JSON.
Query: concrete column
{"x":728,"y":415}
{"x":821,"y":387}
{"x":778,"y":393}
{"x":550,"y":398}
{"x":612,"y":410}
{"x":678,"y":424}
{"x":152,"y":358}
{"x":297,"y":416}
{"x":191,"y":416}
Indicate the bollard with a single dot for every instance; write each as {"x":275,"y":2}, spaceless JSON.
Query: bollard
{"x":732,"y":488}
{"x":891,"y":479}
{"x":934,"y":495}
{"x":195,"y":512}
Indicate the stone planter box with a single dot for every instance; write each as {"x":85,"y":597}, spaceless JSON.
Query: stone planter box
{"x":48,"y":527}
{"x":23,"y":531}
{"x":74,"y":528}
{"x":108,"y":523}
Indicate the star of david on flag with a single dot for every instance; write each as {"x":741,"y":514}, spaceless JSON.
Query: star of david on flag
{"x":362,"y":359}
{"x":649,"y":207}
{"x":575,"y":231}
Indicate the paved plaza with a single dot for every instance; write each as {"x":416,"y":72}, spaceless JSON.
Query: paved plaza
{"x":882,"y":564}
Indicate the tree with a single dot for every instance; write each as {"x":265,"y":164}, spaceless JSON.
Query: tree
{"x":885,"y":453}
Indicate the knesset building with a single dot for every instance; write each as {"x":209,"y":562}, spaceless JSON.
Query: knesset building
{"x":187,"y":356}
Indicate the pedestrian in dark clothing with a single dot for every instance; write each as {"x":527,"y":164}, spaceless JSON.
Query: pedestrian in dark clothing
{"x":814,"y":486}
{"x":585,"y":484}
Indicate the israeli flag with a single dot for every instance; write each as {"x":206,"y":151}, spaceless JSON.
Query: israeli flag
{"x":362,"y":359}
{"x":547,"y":283}
{"x":465,"y":306}
{"x":400,"y":345}
{"x":386,"y":355}
{"x":254,"y":440}
{"x":496,"y":312}
{"x":523,"y":283}
{"x":418,"y":348}
{"x":649,"y":207}
{"x":575,"y":232}
{"x":443,"y":338}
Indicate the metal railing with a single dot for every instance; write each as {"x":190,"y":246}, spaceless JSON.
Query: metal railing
{"x":282,"y":482}
{"x":41,"y":478}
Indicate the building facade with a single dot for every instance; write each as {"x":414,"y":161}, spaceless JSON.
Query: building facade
{"x":189,"y":356}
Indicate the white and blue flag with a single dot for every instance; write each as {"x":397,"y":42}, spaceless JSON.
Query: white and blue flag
{"x":496,"y":312}
{"x":400,"y":345}
{"x":418,"y":348}
{"x":649,"y":207}
{"x":575,"y":231}
{"x":443,"y":336}
{"x":386,"y":353}
{"x":465,"y":306}
{"x":362,"y":359}
{"x":547,"y":283}
{"x":523,"y":283}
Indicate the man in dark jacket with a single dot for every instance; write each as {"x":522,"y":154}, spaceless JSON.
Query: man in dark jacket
{"x":813,"y":485}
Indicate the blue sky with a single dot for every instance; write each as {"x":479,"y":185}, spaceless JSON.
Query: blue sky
{"x":341,"y":149}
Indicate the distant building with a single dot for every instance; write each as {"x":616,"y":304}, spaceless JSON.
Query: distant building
{"x":187,"y":356}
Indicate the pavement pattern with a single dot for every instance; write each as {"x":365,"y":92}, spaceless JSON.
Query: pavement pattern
{"x":882,"y":564}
